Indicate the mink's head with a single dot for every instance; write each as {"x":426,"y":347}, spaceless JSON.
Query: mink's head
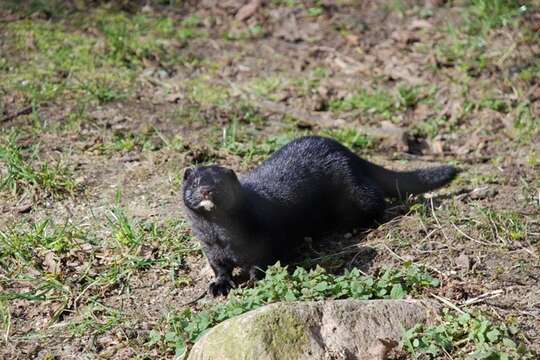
{"x":210,"y":189}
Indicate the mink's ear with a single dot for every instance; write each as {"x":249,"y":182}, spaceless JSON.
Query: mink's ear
{"x":232,"y":173}
{"x":187,"y":172}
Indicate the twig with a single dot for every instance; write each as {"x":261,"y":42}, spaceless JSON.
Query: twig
{"x":437,"y":219}
{"x":25,"y":111}
{"x":469,"y":237}
{"x":191,"y":302}
{"x":403,"y":260}
{"x":488,"y":295}
{"x":448,"y":303}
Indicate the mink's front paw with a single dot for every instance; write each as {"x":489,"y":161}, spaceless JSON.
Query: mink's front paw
{"x":220,"y":287}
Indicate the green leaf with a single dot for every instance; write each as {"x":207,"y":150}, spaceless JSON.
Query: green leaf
{"x":397,"y":292}
{"x":509,"y":343}
{"x":154,"y":337}
{"x":180,"y":347}
{"x":493,"y":335}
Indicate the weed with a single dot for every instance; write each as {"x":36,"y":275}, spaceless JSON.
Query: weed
{"x":20,"y":174}
{"x":465,"y":336}
{"x":266,"y":87}
{"x":280,"y":285}
{"x":501,"y":226}
{"x":123,"y":230}
{"x":19,"y":245}
{"x":484,"y":15}
{"x":350,"y":137}
{"x":378,"y":102}
{"x":96,"y":319}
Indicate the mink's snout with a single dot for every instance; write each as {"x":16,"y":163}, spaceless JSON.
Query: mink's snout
{"x":206,"y":192}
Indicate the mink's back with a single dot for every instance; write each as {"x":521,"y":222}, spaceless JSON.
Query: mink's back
{"x":300,"y":185}
{"x":305,"y":166}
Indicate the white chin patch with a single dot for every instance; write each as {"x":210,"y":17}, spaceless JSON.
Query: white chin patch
{"x":207,"y":205}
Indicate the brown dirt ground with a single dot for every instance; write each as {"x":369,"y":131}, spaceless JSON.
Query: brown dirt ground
{"x":380,"y":48}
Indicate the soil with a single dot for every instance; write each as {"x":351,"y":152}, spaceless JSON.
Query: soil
{"x":480,"y":236}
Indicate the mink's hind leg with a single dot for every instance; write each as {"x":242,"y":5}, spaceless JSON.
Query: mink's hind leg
{"x":367,"y":204}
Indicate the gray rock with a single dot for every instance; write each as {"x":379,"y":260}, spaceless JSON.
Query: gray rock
{"x":338,"y":329}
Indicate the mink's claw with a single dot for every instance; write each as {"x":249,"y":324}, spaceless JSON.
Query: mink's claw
{"x":221,"y":287}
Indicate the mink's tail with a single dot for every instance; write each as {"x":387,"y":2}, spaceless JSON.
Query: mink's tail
{"x":401,"y":184}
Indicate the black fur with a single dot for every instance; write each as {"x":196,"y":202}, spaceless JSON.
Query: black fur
{"x":310,"y":186}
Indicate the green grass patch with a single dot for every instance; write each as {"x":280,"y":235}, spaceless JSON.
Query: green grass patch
{"x":379,"y":102}
{"x":281,"y":285}
{"x":350,"y":138}
{"x":203,"y":92}
{"x":502,"y":226}
{"x":431,"y":127}
{"x":465,"y":336}
{"x":251,"y":150}
{"x":171,"y":238}
{"x":265,"y":87}
{"x":526,"y":122}
{"x":484,"y":15}
{"x":95,"y":319}
{"x":23,"y":171}
{"x":57,"y":59}
{"x":466,"y":46}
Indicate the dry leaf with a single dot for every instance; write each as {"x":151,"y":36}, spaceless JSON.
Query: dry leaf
{"x":248,"y":10}
{"x":50,"y":263}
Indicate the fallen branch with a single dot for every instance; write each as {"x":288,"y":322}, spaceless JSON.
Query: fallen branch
{"x":27,"y":110}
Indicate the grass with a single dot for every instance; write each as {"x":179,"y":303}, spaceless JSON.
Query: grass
{"x":95,"y":319}
{"x":501,"y":227}
{"x":484,"y":15}
{"x":205,"y":93}
{"x":63,"y":61}
{"x":25,"y":172}
{"x":266,"y":87}
{"x":379,"y":102}
{"x":42,"y":249}
{"x":351,"y":138}
{"x":83,"y":270}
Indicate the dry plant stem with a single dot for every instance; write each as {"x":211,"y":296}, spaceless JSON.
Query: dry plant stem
{"x":437,"y":220}
{"x":191,"y":302}
{"x":403,"y":260}
{"x":25,"y":111}
{"x":448,"y":303}
{"x":469,"y":237}
{"x":483,"y":297}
